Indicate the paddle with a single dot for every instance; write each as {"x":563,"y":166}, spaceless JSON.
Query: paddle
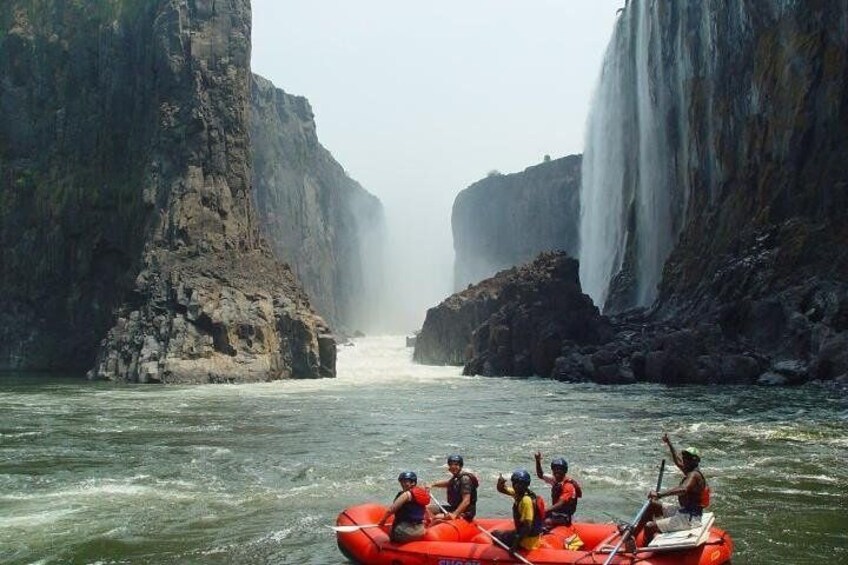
{"x":488,"y":533}
{"x":636,"y":520}
{"x":352,"y":528}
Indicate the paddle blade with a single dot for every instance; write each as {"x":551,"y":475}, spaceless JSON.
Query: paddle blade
{"x":352,"y":528}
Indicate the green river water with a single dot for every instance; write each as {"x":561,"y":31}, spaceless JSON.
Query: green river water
{"x":100,"y":474}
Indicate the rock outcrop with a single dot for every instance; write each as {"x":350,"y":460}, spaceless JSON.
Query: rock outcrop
{"x":316,"y":218}
{"x":125,"y":163}
{"x":506,"y":220}
{"x":535,"y":320}
{"x":514,"y":323}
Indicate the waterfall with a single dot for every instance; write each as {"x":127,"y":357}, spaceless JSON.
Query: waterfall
{"x":632,"y":197}
{"x":602,"y":198}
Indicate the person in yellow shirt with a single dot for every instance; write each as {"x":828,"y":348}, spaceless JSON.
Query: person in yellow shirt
{"x":527,"y":513}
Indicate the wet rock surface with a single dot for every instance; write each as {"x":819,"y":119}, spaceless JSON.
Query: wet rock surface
{"x":534,"y":320}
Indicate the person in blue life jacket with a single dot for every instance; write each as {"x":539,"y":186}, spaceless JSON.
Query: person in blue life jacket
{"x":693,"y":495}
{"x":564,"y":492}
{"x":409,"y":509}
{"x":528,"y":512}
{"x":461,"y":492}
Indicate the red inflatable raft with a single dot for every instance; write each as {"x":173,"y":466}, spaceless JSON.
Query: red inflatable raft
{"x":462,"y":543}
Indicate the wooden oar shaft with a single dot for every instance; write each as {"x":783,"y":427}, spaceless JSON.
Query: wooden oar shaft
{"x":353,"y":527}
{"x":488,"y":533}
{"x":636,"y":520}
{"x":503,"y":545}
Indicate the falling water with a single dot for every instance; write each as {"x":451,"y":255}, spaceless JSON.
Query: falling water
{"x":602,"y":218}
{"x":631,"y":206}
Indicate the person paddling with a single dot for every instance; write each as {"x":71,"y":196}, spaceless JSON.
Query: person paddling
{"x":461,"y":492}
{"x":527,"y":513}
{"x":410,"y":510}
{"x":693,"y":495}
{"x":564,"y":492}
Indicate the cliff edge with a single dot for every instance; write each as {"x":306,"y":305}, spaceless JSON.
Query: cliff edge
{"x":126,"y":207}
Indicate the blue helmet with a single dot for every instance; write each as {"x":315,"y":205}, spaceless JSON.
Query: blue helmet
{"x":560,"y":463}
{"x":520,"y":476}
{"x":408,"y":476}
{"x":454,"y":458}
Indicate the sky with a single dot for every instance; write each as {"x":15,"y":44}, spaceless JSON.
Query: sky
{"x":418,"y":100}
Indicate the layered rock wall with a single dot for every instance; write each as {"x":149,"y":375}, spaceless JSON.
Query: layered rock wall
{"x":316,"y":218}
{"x":506,"y":220}
{"x":125,"y":163}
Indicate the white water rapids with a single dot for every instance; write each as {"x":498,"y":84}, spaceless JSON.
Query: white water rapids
{"x":97,"y":473}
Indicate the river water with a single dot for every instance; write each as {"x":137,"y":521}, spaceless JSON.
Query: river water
{"x":98,"y":473}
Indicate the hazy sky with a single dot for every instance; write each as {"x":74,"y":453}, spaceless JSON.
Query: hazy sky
{"x":417,"y":100}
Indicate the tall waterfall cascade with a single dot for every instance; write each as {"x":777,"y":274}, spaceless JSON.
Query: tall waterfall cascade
{"x":634,"y":195}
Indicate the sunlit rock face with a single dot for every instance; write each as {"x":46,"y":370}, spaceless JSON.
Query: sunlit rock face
{"x":714,"y":175}
{"x":128,"y":234}
{"x":514,"y":323}
{"x":316,"y":218}
{"x":505,"y":220}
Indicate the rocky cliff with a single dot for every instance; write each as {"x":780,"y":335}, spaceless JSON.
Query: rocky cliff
{"x":514,"y":323}
{"x":746,"y":106}
{"x":506,"y":220}
{"x":715,"y":196}
{"x":125,"y":170}
{"x":316,"y":218}
{"x":714,"y":125}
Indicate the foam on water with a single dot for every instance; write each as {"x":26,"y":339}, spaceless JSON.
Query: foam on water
{"x":251,"y":473}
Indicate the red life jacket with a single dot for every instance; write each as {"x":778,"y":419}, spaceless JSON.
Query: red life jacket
{"x":556,"y":493}
{"x":705,"y":493}
{"x":420,"y":496}
{"x":414,"y":510}
{"x":695,"y":507}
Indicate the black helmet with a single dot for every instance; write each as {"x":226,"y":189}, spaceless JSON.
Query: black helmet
{"x":408,"y":476}
{"x":560,"y":463}
{"x":520,"y":476}
{"x":454,"y":458}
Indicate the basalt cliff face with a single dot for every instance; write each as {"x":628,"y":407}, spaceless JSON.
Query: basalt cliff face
{"x":717,"y":143}
{"x":506,"y":220}
{"x":514,"y":323}
{"x":316,"y":218}
{"x":126,"y":208}
{"x":763,"y":250}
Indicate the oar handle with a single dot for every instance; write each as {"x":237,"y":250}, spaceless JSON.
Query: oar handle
{"x":436,"y":500}
{"x":626,"y":535}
